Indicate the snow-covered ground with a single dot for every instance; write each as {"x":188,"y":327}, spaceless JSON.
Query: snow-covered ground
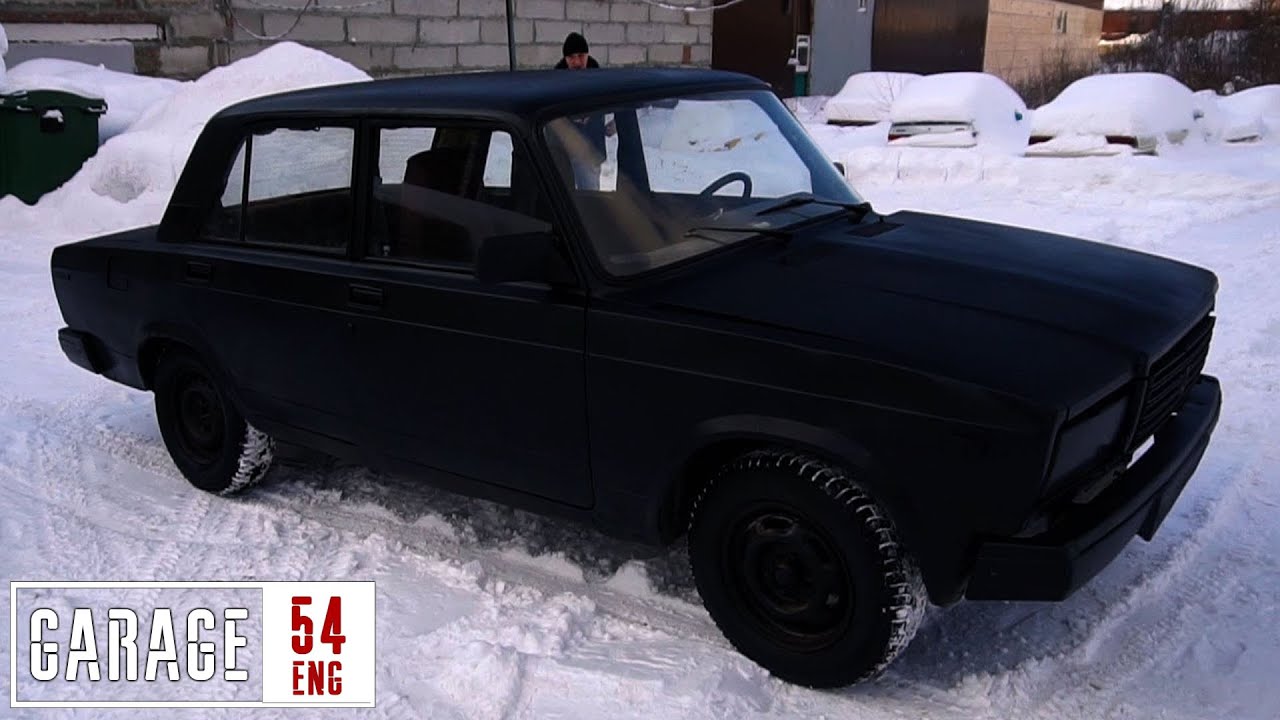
{"x":485,"y":612}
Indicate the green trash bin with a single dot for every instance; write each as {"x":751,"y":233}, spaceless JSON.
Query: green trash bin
{"x":45,"y":136}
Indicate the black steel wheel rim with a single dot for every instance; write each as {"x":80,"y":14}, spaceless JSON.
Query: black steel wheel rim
{"x":788,"y":575}
{"x":201,"y":424}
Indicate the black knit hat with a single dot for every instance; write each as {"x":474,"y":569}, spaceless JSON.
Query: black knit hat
{"x":574,"y":44}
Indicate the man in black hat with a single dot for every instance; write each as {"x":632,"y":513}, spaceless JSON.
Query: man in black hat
{"x":577,"y":54}
{"x":586,"y":161}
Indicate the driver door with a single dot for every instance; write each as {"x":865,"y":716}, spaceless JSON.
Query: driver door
{"x":482,"y":381}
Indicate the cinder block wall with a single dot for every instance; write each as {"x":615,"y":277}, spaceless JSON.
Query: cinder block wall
{"x":390,"y":37}
{"x":387,"y":37}
{"x":1024,"y":35}
{"x":182,"y":34}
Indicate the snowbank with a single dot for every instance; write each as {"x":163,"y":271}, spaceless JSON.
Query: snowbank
{"x":1137,"y":105}
{"x":697,"y":141}
{"x":1260,"y":104}
{"x":996,"y":112}
{"x":706,"y":125}
{"x":1077,"y":146}
{"x":128,"y":183}
{"x":866,"y":98}
{"x":128,"y":96}
{"x":836,"y":141}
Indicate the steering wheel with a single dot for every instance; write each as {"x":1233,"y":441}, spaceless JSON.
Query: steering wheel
{"x":726,"y":179}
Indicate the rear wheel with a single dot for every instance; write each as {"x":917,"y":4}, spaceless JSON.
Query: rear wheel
{"x":802,"y":570}
{"x":210,"y":442}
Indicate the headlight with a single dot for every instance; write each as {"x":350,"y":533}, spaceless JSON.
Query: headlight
{"x":1088,"y":439}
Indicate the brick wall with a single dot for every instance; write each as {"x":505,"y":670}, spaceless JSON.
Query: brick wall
{"x":389,"y":37}
{"x":1023,"y":35}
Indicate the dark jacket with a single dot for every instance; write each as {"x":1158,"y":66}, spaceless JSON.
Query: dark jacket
{"x":592,"y":127}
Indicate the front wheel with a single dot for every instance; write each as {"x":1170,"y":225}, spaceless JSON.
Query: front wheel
{"x":210,"y":442}
{"x":802,"y":570}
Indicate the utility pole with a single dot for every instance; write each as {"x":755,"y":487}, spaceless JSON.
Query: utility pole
{"x":511,"y":33}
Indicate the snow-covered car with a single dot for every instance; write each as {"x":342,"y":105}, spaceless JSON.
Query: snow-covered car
{"x":866,"y":98}
{"x":1259,"y":104}
{"x":1221,"y":124}
{"x":471,"y":280}
{"x":959,"y":110}
{"x":1108,"y":114}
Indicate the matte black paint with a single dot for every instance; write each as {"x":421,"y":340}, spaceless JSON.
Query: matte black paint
{"x":940,"y":359}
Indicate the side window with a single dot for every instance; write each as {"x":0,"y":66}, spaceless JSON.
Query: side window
{"x":441,"y":191}
{"x":397,"y":144}
{"x":299,"y":190}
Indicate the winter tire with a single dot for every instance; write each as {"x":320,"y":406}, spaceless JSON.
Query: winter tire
{"x":207,"y":437}
{"x":802,"y":570}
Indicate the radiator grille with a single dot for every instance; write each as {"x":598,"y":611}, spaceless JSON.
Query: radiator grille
{"x":1171,"y":377}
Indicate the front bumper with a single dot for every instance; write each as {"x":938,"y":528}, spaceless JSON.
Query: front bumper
{"x":1056,"y":564}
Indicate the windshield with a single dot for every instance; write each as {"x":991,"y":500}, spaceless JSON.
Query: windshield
{"x":660,"y":181}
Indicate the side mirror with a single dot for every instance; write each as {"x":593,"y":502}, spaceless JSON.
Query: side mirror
{"x":522,"y":257}
{"x":839,"y":168}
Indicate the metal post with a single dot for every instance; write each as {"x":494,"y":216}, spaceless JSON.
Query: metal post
{"x":511,"y":33}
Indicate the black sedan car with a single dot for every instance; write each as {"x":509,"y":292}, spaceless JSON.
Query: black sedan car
{"x":646,"y":300}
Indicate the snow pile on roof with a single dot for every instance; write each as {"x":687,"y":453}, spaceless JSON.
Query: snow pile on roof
{"x":141,"y":166}
{"x":998,"y":114}
{"x":1260,"y":104}
{"x":1125,"y":104}
{"x":128,"y":96}
{"x":866,"y":98}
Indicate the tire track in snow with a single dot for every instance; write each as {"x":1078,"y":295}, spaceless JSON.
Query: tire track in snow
{"x":339,"y":502}
{"x":1154,"y":618}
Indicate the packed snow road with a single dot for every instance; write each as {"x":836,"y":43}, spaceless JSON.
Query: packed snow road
{"x":485,"y":612}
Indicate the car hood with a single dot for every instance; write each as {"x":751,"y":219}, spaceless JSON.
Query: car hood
{"x":1051,"y":319}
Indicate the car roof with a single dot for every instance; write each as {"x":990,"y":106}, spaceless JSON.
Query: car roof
{"x":521,"y":93}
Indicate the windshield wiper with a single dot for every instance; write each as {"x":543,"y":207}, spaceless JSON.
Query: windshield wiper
{"x":861,"y":209}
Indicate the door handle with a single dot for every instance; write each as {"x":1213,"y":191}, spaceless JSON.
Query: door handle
{"x":200,"y":272}
{"x":364,"y":296}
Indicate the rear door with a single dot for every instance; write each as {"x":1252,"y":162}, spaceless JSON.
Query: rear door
{"x":266,"y":286}
{"x":483,"y":381}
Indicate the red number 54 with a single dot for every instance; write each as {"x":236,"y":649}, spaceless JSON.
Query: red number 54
{"x":330,"y":630}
